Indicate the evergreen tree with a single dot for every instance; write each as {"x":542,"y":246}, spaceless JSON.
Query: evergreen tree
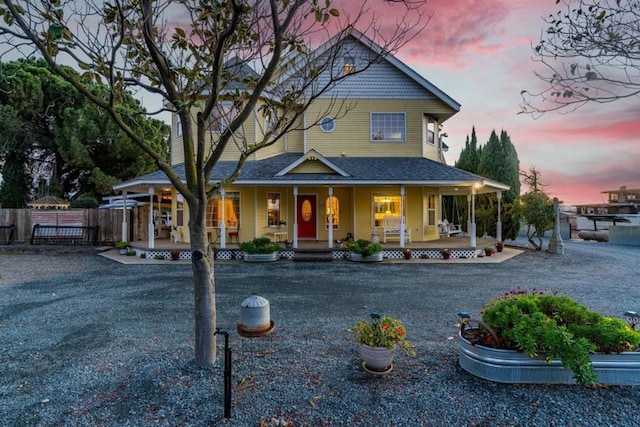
{"x":469,"y":159}
{"x":499,"y":161}
{"x":61,"y":136}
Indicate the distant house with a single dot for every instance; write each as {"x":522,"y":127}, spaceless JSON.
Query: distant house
{"x":381,"y":161}
{"x":622,"y":208}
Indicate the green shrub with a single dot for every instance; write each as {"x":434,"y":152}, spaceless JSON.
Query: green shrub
{"x":260,"y":245}
{"x":84,"y":202}
{"x":122,"y":244}
{"x":363,"y":247}
{"x":557,"y":327}
{"x":131,"y":253}
{"x":158,"y":256}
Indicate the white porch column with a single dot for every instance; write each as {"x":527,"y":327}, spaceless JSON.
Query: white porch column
{"x":472,"y":231}
{"x":125,"y":227}
{"x":151,"y":228}
{"x":295,"y":217}
{"x":499,"y":223}
{"x":330,"y":217}
{"x":469,"y":214}
{"x":221,"y":223}
{"x":402,"y":224}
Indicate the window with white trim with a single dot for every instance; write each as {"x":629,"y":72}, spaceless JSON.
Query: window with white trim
{"x":231,"y":210}
{"x":179,"y":211}
{"x":388,"y":127}
{"x":431,"y":209}
{"x":327,"y":124}
{"x":221,"y":116}
{"x":273,"y":209}
{"x":349,"y":66}
{"x":332,"y":212}
{"x":385,"y":205}
{"x":178,"y":124}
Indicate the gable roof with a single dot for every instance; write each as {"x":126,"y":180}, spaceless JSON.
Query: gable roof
{"x":312,"y":155}
{"x":368,"y":43}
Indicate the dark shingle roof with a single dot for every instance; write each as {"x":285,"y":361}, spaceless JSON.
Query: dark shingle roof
{"x":361,"y":170}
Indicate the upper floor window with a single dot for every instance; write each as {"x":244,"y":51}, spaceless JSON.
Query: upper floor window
{"x":327,"y":124}
{"x":221,"y":117}
{"x":388,"y":127}
{"x":349,"y":65}
{"x":178,"y":126}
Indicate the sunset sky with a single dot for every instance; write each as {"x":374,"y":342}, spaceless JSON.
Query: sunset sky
{"x":479,"y":52}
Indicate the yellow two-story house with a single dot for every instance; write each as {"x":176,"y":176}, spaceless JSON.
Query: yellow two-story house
{"x":376,"y":169}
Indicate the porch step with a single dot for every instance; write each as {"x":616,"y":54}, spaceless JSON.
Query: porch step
{"x":317,"y":255}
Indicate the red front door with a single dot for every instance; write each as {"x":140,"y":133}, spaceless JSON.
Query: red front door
{"x":306,"y":216}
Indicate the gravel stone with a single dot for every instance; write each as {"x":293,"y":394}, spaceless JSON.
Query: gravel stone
{"x":87,"y":341}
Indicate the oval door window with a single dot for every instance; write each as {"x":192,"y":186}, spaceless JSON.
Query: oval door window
{"x":306,"y":211}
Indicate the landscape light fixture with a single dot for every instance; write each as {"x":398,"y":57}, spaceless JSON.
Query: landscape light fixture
{"x":632,"y":318}
{"x":375,"y":318}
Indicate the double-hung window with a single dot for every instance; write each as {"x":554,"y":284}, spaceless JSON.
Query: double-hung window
{"x":388,"y":127}
{"x":221,"y":116}
{"x":231,"y":208}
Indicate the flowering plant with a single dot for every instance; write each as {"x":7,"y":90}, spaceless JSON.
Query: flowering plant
{"x":382,"y":331}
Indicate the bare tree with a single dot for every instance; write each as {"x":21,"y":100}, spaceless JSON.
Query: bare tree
{"x":531,"y":179}
{"x":194,"y":54}
{"x":591,"y":52}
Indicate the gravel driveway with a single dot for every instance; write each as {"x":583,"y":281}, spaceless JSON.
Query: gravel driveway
{"x":87,"y":341}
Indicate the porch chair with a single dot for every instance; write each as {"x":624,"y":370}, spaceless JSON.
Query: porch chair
{"x":231,"y":234}
{"x":176,"y":235}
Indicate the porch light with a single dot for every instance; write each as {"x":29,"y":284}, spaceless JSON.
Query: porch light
{"x":632,"y":318}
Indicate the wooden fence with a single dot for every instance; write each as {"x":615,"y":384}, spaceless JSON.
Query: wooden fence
{"x":109,"y":222}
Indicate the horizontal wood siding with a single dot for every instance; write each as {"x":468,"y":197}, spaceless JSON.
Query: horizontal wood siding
{"x":352,"y":133}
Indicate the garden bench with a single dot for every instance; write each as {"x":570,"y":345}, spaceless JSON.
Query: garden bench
{"x":64,"y":234}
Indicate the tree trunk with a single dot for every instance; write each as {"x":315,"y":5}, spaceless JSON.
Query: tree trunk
{"x":205,"y":300}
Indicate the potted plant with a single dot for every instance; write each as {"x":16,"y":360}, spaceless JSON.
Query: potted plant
{"x":488,"y":250}
{"x":122,"y":246}
{"x":536,"y":337}
{"x":175,"y":254}
{"x":364,"y":250}
{"x":446,"y":253}
{"x":407,"y":253}
{"x":500,"y":246}
{"x":260,"y":249}
{"x":378,"y":339}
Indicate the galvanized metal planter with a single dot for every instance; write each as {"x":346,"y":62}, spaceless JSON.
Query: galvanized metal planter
{"x":261,"y":257}
{"x":376,"y":257}
{"x":510,"y":366}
